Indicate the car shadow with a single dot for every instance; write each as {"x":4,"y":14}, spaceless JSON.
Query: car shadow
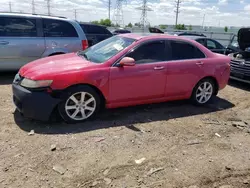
{"x":239,"y":85}
{"x":128,"y":117}
{"x":6,"y":78}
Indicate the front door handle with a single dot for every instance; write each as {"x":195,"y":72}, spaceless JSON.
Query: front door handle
{"x":4,"y":42}
{"x":199,"y":63}
{"x":158,"y":68}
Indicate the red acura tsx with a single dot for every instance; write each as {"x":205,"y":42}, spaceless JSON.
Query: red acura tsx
{"x":124,"y":70}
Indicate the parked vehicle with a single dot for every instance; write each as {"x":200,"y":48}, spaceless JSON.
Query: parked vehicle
{"x":95,"y":33}
{"x":26,"y":37}
{"x":121,"y":31}
{"x":191,"y":34}
{"x":233,"y":46}
{"x":240,"y":61}
{"x":123,"y":70}
{"x":211,"y":44}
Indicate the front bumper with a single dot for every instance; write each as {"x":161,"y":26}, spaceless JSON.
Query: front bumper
{"x":33,"y":104}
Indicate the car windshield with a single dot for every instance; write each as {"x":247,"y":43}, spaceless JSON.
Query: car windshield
{"x":234,"y":41}
{"x":106,"y":49}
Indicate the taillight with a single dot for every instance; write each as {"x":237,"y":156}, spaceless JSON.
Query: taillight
{"x":85,"y":44}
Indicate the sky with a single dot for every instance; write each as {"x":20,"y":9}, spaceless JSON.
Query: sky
{"x":215,"y":12}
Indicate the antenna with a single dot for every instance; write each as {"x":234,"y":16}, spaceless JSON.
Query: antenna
{"x":118,"y":13}
{"x":144,"y":8}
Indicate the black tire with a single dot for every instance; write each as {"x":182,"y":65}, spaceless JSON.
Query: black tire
{"x":194,"y":98}
{"x":74,"y":90}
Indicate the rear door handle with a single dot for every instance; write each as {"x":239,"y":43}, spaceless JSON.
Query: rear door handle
{"x":158,"y":68}
{"x":199,"y":63}
{"x":4,"y":42}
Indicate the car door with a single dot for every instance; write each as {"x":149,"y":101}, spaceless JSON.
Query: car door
{"x":214,"y":46}
{"x":20,"y":41}
{"x":145,"y":80}
{"x":185,"y":68}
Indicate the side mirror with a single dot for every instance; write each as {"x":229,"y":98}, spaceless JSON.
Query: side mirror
{"x":127,"y":61}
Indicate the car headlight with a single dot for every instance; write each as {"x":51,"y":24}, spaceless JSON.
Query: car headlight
{"x":35,"y":83}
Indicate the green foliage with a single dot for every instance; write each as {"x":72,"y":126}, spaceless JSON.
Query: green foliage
{"x":163,"y":26}
{"x":226,"y":29}
{"x":180,"y":27}
{"x":105,"y":22}
{"x":190,"y":27}
{"x":130,"y":25}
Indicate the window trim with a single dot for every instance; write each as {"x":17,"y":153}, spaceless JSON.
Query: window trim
{"x":23,"y":17}
{"x":116,"y":63}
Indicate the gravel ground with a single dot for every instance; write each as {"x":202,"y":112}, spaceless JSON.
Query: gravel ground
{"x":168,"y":145}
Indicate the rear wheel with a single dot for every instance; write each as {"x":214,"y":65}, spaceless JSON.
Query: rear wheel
{"x":79,"y":104}
{"x":203,"y":92}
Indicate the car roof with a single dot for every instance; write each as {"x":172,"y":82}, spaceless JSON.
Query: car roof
{"x":92,"y":24}
{"x":193,"y":37}
{"x":138,"y":36}
{"x":33,"y":15}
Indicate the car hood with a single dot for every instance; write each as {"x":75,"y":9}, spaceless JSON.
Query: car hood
{"x":51,"y":66}
{"x":244,"y":38}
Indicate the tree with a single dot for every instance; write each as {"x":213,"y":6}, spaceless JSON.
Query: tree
{"x":180,"y":27}
{"x":190,"y":28}
{"x":130,"y":25}
{"x":106,"y":22}
{"x":163,"y":27}
{"x":95,"y":22}
{"x":226,"y":29}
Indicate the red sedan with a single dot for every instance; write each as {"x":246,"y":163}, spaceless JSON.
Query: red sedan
{"x":123,"y":70}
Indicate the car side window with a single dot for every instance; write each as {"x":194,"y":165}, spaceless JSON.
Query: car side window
{"x":182,"y":50}
{"x":201,"y":41}
{"x":211,"y":44}
{"x":149,"y":53}
{"x":18,"y":27}
{"x":58,"y":28}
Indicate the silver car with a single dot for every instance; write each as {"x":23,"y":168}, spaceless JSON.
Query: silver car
{"x":26,"y":37}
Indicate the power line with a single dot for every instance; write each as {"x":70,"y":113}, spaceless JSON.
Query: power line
{"x":177,"y":11}
{"x":144,"y":8}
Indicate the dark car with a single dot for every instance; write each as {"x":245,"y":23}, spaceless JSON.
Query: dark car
{"x":211,"y":44}
{"x":240,"y":61}
{"x":233,"y":46}
{"x":95,"y":33}
{"x":191,"y":34}
{"x":120,"y":31}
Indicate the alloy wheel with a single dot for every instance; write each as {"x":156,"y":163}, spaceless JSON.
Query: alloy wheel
{"x":80,"y":106}
{"x":204,"y":92}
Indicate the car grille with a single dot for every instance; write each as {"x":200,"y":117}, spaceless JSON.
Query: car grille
{"x":240,"y":69}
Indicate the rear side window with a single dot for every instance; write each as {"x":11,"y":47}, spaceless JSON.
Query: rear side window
{"x":58,"y":28}
{"x":17,"y":27}
{"x":183,"y":50}
{"x":93,"y":29}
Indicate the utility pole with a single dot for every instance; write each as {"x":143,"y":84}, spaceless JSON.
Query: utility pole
{"x":109,"y":7}
{"x":75,"y":15}
{"x":177,"y":11}
{"x":10,"y":6}
{"x":48,"y":6}
{"x":33,"y":7}
{"x":203,"y":20}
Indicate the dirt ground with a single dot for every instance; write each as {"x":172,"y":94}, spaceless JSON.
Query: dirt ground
{"x":176,"y":144}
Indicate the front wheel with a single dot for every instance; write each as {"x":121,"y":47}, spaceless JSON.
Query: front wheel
{"x":78,"y":104}
{"x":203,"y":92}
